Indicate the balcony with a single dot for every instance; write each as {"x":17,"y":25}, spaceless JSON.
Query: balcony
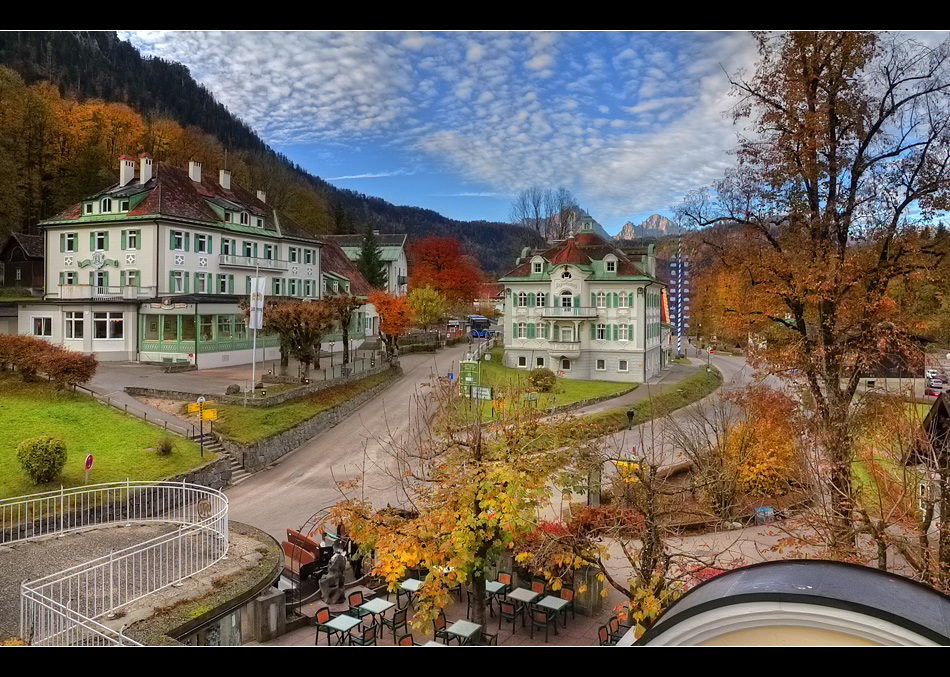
{"x":251,"y":262}
{"x":80,"y":292}
{"x":568,"y":349}
{"x":574,"y":312}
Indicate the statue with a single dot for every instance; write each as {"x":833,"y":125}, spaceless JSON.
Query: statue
{"x":331,"y":585}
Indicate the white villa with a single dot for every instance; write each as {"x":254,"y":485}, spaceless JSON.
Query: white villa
{"x":154,"y":268}
{"x":586,"y":309}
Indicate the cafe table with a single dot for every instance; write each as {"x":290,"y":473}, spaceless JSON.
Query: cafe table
{"x":342,"y":624}
{"x":464,"y":631}
{"x":554,"y":605}
{"x":377,"y":607}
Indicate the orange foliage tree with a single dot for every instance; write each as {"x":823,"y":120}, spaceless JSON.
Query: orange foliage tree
{"x":438,"y":262}
{"x":395,"y":317}
{"x":850,"y":143}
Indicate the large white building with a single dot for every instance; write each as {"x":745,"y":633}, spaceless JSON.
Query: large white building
{"x":154,"y":268}
{"x":585,"y":309}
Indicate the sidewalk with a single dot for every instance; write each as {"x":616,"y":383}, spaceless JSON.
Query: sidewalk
{"x":676,"y":372}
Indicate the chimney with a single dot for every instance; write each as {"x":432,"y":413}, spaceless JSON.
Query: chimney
{"x":126,"y":169}
{"x":261,"y":196}
{"x":194,"y":171}
{"x":224,"y":178}
{"x":145,"y":171}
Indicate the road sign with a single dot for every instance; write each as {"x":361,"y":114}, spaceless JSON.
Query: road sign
{"x":88,"y":461}
{"x":208,"y":415}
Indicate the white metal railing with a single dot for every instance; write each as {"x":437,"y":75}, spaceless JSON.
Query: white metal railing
{"x":574,"y":311}
{"x":252,"y":262}
{"x":68,"y":607}
{"x":104,"y":293}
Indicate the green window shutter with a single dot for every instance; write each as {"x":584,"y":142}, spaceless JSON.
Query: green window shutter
{"x":92,"y":278}
{"x":248,"y":290}
{"x":61,"y":276}
{"x":122,"y":276}
{"x":171,"y":281}
{"x":171,"y":240}
{"x":230,"y":284}
{"x":125,"y":239}
{"x":593,"y":330}
{"x":187,"y":242}
{"x":593,"y":300}
{"x":616,"y":333}
{"x":531,"y":300}
{"x":531,"y":330}
{"x":187,"y":286}
{"x":616,"y":299}
{"x":630,"y":300}
{"x":92,"y":242}
{"x":62,"y":242}
{"x":210,"y":247}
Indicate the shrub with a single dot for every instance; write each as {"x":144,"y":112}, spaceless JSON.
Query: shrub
{"x":67,"y":367}
{"x":42,"y":457}
{"x":542,"y":380}
{"x":165,"y":446}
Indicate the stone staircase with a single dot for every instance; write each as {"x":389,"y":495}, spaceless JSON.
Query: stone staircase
{"x":238,"y":473}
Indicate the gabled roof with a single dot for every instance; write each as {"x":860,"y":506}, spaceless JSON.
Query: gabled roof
{"x":586,"y":249}
{"x":391,"y":246}
{"x":32,"y":245}
{"x":171,"y":193}
{"x":334,"y":260}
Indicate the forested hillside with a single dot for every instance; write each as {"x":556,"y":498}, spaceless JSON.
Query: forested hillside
{"x":72,"y":102}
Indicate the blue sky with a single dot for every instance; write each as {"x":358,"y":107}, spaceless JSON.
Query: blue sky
{"x":460,"y":122}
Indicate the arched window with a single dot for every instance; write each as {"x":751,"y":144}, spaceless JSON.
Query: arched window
{"x":601,"y":300}
{"x":567,"y":299}
{"x":541,"y":299}
{"x":522,"y":299}
{"x":105,"y":206}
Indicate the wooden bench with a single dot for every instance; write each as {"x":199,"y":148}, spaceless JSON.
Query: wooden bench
{"x":298,"y":562}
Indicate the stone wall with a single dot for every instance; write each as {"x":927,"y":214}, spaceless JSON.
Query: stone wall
{"x":215,"y":474}
{"x":257,"y":456}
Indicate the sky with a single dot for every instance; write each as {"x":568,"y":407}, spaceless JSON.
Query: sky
{"x":460,"y":122}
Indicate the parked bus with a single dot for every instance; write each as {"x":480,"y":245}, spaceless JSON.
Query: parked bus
{"x":479,"y":326}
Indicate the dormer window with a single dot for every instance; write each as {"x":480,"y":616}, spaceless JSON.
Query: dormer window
{"x":537,"y":267}
{"x":611,"y":266}
{"x":259,"y":223}
{"x":124,"y":206}
{"x":245,"y":219}
{"x":88,"y":209}
{"x":227,"y":217}
{"x":105,"y":206}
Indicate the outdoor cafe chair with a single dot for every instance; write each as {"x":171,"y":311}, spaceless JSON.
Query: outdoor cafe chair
{"x":397,"y":621}
{"x":439,"y":626}
{"x":617,"y":629}
{"x":504,"y":578}
{"x":355,"y":599}
{"x":509,"y":611}
{"x":365,"y":637}
{"x":323,"y":617}
{"x":486,"y":639}
{"x":540,"y":618}
{"x":603,"y":637}
{"x":537,"y":585}
{"x":567,"y":593}
{"x":406,"y":640}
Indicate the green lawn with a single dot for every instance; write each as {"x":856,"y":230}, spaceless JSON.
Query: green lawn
{"x":496,"y":375}
{"x":252,"y":424}
{"x":121,"y":445}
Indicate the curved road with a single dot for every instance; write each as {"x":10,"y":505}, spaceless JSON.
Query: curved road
{"x":304,"y":481}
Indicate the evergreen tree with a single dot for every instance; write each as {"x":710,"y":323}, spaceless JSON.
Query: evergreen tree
{"x":370,"y":262}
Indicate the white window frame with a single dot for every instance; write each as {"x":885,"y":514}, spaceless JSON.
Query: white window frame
{"x":537,"y":267}
{"x":99,"y":239}
{"x":540,"y":299}
{"x":623,"y":333}
{"x":565,"y":364}
{"x":522,"y":330}
{"x":539,"y":363}
{"x":74,"y":319}
{"x":600,"y":364}
{"x":178,"y":240}
{"x":601,"y":332}
{"x":522,"y":362}
{"x":111,"y":320}
{"x":227,"y":246}
{"x":601,"y":299}
{"x":70,"y":242}
{"x":201,"y":244}
{"x":293,"y":254}
{"x":222,"y":284}
{"x":70,"y":277}
{"x":245,"y":218}
{"x":622,"y":300}
{"x":623,"y":366}
{"x":202,"y":283}
{"x":178,"y":282}
{"x":308,"y":256}
{"x":132,"y":239}
{"x":45,"y":325}
{"x":611,"y":266}
{"x":522,"y":299}
{"x":105,"y":207}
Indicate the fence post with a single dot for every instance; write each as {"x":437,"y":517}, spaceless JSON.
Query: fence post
{"x":62,"y":507}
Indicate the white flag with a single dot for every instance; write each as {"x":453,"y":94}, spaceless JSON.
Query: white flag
{"x":256,"y":318}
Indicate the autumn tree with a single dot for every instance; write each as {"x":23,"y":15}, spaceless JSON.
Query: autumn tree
{"x":428,"y":306}
{"x":301,"y":327}
{"x":395,"y":317}
{"x":848,"y":147}
{"x":438,"y":262}
{"x":470,"y":490}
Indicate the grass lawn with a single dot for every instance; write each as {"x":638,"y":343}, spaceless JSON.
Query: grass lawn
{"x":252,"y":424}
{"x":496,"y":375}
{"x":120,"y":444}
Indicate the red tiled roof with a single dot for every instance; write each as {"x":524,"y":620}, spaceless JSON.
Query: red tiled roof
{"x":334,"y":260}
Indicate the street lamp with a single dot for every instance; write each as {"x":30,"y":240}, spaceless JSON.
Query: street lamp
{"x":331,"y":356}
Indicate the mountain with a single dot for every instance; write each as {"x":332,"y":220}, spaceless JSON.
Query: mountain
{"x":655,"y":226}
{"x":84,"y":66}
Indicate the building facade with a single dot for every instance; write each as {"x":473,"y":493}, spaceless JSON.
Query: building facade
{"x":154,"y":268}
{"x":585,"y":309}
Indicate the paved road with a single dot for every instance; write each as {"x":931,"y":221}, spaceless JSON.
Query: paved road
{"x":304,"y":482}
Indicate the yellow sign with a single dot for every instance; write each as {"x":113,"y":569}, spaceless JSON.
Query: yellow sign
{"x":209,"y":415}
{"x":628,"y":470}
{"x":198,"y":406}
